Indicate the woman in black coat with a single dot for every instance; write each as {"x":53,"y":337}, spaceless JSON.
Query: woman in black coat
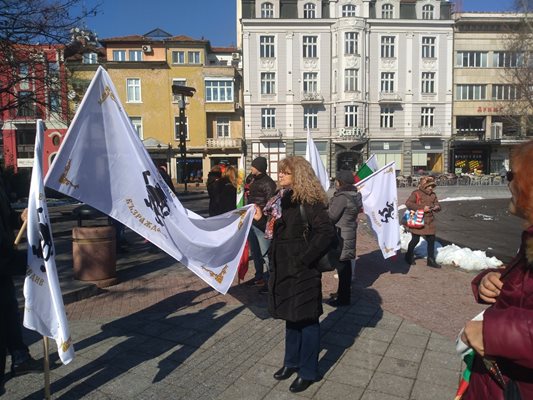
{"x":224,"y":192}
{"x":295,"y":289}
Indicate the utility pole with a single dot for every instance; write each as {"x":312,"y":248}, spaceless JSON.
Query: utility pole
{"x":183,"y":91}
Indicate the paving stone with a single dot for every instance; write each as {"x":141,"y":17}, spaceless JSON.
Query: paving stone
{"x":334,"y":390}
{"x":250,"y":391}
{"x":443,"y":360}
{"x":409,"y":339}
{"x":423,"y":390}
{"x":373,"y":395}
{"x":403,"y":352}
{"x":126,"y":386}
{"x":360,"y":359}
{"x":391,"y":384}
{"x":395,"y":366}
{"x":385,"y":335}
{"x":444,"y":376}
{"x":370,"y":346}
{"x":261,"y":374}
{"x":338,"y":339}
{"x":410,"y":328}
{"x":442,"y":344}
{"x":359,"y":377}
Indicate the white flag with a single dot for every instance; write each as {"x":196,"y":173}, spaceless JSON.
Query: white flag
{"x":103,"y":163}
{"x":380,"y":203}
{"x":372,"y":163}
{"x":44,"y":311}
{"x":313,"y":156}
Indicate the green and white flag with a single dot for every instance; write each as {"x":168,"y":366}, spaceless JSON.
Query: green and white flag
{"x":367,"y":168}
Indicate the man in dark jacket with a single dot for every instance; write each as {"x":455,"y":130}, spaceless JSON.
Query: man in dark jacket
{"x":262,"y":188}
{"x":10,"y":324}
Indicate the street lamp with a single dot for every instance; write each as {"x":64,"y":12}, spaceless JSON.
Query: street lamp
{"x":183,"y":91}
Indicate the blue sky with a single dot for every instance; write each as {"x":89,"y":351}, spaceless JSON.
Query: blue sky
{"x":212,"y":19}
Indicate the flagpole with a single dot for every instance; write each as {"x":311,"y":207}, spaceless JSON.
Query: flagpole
{"x":21,"y":232}
{"x":46,"y":369}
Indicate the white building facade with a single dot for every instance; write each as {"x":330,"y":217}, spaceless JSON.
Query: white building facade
{"x":364,"y":76}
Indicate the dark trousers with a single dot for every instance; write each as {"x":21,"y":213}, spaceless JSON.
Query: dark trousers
{"x":302,"y":345}
{"x":10,"y":324}
{"x":430,"y":239}
{"x":344,"y":270}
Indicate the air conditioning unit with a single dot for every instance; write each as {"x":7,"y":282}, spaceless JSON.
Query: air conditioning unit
{"x":235,"y":56}
{"x":496,"y":130}
{"x":146,"y":48}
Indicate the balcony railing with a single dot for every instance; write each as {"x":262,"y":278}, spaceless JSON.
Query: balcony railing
{"x":224,"y":143}
{"x":390,"y":97}
{"x":430,"y":131}
{"x":312,"y":97}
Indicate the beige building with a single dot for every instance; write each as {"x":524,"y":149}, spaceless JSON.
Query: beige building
{"x":486,"y":120}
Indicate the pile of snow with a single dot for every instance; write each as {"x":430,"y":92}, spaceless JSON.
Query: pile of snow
{"x":452,"y":255}
{"x":461,"y":198}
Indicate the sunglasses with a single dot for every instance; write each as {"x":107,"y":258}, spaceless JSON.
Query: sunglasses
{"x":509,"y":176}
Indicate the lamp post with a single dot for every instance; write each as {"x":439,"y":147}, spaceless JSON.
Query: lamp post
{"x":183,"y":91}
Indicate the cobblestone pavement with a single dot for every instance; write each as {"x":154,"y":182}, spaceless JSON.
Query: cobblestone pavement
{"x":162,"y":333}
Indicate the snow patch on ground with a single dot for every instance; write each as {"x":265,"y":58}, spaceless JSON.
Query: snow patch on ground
{"x":461,"y":199}
{"x":465,"y":258}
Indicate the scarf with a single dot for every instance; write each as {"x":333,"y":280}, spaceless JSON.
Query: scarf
{"x":273,"y":211}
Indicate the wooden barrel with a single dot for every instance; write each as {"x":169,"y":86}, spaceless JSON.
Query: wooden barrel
{"x":94,"y":254}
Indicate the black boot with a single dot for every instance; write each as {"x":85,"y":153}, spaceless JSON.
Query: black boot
{"x":432,"y":263}
{"x":410,"y":258}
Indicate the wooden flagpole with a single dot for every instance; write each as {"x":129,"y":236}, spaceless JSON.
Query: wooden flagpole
{"x":46,"y":369}
{"x":21,"y":232}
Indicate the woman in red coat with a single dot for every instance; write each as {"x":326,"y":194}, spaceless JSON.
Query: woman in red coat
{"x":424,"y":199}
{"x":505,"y":334}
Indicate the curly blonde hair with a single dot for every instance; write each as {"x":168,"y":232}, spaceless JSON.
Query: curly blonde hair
{"x":306,"y":187}
{"x":231,"y":173}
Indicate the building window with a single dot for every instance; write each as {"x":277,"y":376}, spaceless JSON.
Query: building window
{"x":350,"y":43}
{"x":428,"y":82}
{"x":178,"y":82}
{"x":504,"y":92}
{"x":119,"y":55}
{"x":310,"y":46}
{"x":387,"y":46}
{"x":177,"y":128}
{"x":387,"y":11}
{"x":178,"y":57}
{"x":387,"y":82}
{"x":136,"y":55}
{"x":350,"y":116}
{"x":427,"y":11}
{"x":267,"y":10}
{"x":310,"y":117}
{"x":89,"y":58}
{"x":310,"y":82}
{"x":471,"y":92}
{"x":349,"y":10}
{"x":133,"y":89}
{"x":137,"y":123}
{"x":505,"y":59}
{"x":386,"y":117}
{"x":223,"y":127}
{"x":350,"y":79}
{"x":309,"y":11}
{"x":268,"y":83}
{"x":54,"y":102}
{"x":266,"y":46}
{"x":218,"y":90}
{"x":427,"y":115}
{"x":471,"y":59}
{"x":428,"y":47}
{"x":26,"y":104}
{"x":268,"y":118}
{"x":194,"y":57}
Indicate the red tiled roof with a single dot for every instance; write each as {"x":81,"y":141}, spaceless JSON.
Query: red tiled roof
{"x":224,"y":49}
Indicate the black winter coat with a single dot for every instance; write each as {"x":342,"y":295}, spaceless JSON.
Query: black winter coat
{"x":10,"y":258}
{"x":224,"y":197}
{"x":262,"y":188}
{"x":295,"y":287}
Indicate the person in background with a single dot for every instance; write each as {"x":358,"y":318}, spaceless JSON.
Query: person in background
{"x":212,"y":177}
{"x":10,"y":324}
{"x":166,"y":177}
{"x":261,"y":189}
{"x":424,"y":198}
{"x":344,"y":208}
{"x":295,"y":288}
{"x":505,"y":335}
{"x":225,"y":191}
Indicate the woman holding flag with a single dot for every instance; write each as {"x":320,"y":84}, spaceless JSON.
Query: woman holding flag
{"x":295,"y":289}
{"x":503,"y":339}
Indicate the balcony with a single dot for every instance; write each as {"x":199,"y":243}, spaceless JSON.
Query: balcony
{"x":469,"y":134}
{"x":430,"y":131}
{"x":224,"y":143}
{"x":389,"y":97}
{"x":312,"y":98}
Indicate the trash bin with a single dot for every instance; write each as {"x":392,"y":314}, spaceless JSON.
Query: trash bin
{"x":94,"y":254}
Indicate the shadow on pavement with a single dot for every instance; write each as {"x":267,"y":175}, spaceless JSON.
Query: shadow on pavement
{"x":370,"y":266}
{"x":140,"y":337}
{"x":341,"y":327}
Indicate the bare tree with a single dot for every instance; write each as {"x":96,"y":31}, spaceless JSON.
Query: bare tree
{"x":33,"y":36}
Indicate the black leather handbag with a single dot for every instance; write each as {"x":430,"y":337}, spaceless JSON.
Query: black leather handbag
{"x":330,"y":260}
